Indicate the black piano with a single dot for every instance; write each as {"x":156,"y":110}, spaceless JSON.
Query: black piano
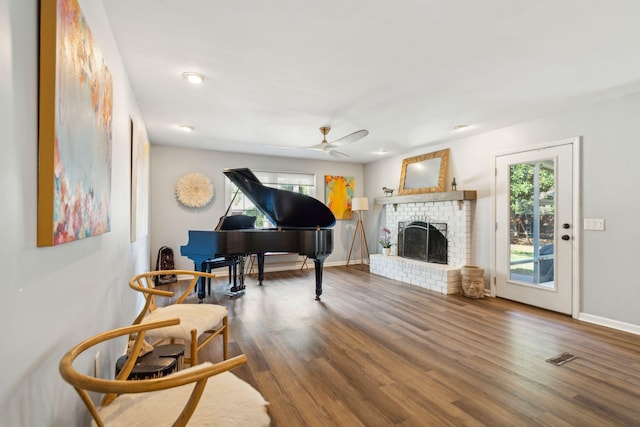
{"x":303,"y":225}
{"x":234,"y":222}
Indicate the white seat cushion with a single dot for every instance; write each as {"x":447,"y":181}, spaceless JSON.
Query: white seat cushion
{"x":201,"y":317}
{"x":226,"y":401}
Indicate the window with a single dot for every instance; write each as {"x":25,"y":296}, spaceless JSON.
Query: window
{"x":303,"y":183}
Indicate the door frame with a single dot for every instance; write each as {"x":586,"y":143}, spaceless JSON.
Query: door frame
{"x":576,"y":143}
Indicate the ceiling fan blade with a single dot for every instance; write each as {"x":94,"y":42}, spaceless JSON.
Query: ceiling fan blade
{"x":352,"y":137}
{"x":338,"y":154}
{"x":321,"y":147}
{"x":327,"y":147}
{"x":286,"y":147}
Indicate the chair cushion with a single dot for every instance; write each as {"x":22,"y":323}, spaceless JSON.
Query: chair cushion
{"x":226,"y":401}
{"x":201,"y":317}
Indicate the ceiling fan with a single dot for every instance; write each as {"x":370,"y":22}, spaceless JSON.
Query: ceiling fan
{"x":328,"y":147}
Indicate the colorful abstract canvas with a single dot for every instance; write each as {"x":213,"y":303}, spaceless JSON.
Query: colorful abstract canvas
{"x":76,"y":106}
{"x":338,"y":192}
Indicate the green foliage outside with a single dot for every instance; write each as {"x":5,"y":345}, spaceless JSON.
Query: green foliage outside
{"x":522,"y":187}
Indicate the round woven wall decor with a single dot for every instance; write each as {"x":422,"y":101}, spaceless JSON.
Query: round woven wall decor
{"x":194,"y":190}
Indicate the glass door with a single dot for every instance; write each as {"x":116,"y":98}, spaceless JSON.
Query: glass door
{"x":534,"y":214}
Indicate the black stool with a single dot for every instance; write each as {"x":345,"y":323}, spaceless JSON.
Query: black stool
{"x":160,"y":362}
{"x":175,"y":351}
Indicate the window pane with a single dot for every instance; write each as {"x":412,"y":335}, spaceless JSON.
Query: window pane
{"x":289,"y":181}
{"x":273,"y":179}
{"x":532,"y":197}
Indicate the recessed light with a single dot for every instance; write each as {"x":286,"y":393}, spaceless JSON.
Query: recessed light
{"x":381,"y":152}
{"x":193,"y":77}
{"x":185,"y":128}
{"x":460,"y":127}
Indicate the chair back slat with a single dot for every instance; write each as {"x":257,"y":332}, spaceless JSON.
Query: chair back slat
{"x":83,"y":384}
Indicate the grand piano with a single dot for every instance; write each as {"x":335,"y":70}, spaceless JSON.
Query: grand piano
{"x":303,"y":225}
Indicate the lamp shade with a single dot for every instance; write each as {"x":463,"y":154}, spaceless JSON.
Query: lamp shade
{"x":360,"y":204}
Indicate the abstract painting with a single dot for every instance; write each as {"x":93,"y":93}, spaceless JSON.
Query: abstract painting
{"x":139,"y":180}
{"x":338,"y":192}
{"x":75,"y":128}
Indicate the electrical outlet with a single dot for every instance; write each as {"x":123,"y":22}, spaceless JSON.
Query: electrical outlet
{"x":594,"y":224}
{"x":97,"y":365}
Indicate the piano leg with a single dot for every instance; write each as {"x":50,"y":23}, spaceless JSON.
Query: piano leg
{"x":318,"y":262}
{"x":238,"y":285}
{"x":260,"y":268}
{"x":234,"y":268}
{"x":201,"y":281}
{"x":241,"y":273}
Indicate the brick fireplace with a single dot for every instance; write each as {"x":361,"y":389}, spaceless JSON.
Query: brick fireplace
{"x":454,"y":209}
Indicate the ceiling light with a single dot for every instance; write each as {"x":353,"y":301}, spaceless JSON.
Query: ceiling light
{"x":185,"y":128}
{"x":460,"y":127}
{"x":193,"y":77}
{"x":381,"y":151}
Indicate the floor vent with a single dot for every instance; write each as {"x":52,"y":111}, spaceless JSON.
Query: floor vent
{"x":561,"y":359}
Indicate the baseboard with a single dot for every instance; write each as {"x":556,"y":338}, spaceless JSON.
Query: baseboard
{"x":609,"y":323}
{"x":341,"y":263}
{"x":224,"y":271}
{"x":310,"y":265}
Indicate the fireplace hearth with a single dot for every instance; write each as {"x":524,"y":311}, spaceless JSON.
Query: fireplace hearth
{"x":423,"y":241}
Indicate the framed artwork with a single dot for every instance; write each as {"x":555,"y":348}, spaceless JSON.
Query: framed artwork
{"x":75,"y":128}
{"x":139,"y":180}
{"x":338,"y":192}
{"x":424,"y":174}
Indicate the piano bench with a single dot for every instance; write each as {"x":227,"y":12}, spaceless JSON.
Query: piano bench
{"x":212,"y":264}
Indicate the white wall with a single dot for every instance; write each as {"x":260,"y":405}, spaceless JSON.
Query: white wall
{"x":52,"y":298}
{"x":170,"y":221}
{"x":610,"y":290}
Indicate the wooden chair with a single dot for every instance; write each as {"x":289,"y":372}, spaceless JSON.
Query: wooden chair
{"x":199,"y":323}
{"x":201,"y":395}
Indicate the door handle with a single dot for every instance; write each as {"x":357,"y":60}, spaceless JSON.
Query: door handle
{"x":565,"y":237}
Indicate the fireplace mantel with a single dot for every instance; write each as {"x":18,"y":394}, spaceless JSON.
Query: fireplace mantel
{"x":428,"y":197}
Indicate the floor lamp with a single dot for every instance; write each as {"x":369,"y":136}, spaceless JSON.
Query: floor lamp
{"x":359,"y":204}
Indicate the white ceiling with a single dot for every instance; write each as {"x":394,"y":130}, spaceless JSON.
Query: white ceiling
{"x":406,"y":70}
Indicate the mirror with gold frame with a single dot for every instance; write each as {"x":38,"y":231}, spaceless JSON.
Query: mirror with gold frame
{"x":426,"y":173}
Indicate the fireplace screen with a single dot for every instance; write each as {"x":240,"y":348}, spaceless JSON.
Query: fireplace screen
{"x":424,"y":241}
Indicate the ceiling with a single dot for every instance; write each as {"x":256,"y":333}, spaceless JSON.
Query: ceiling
{"x":409,"y":71}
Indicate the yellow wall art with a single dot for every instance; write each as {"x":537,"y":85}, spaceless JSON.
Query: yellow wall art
{"x":338,"y":192}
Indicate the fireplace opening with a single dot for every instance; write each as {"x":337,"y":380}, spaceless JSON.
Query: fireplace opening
{"x":424,"y":241}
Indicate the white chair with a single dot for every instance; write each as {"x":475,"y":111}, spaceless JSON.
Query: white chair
{"x":203,"y":395}
{"x":199,"y":323}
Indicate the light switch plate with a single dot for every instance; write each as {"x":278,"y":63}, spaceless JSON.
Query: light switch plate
{"x":594,"y":224}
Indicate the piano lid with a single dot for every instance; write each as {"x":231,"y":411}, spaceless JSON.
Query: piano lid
{"x":283,"y":208}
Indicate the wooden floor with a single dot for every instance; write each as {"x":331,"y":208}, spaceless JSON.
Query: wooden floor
{"x":376,"y":352}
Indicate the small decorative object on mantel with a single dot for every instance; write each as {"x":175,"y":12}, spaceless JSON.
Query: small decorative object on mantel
{"x":454,"y":185}
{"x":387,"y":191}
{"x":385,"y":241}
{"x":194,"y":190}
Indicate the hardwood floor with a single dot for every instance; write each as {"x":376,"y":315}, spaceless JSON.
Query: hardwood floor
{"x":376,"y":352}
